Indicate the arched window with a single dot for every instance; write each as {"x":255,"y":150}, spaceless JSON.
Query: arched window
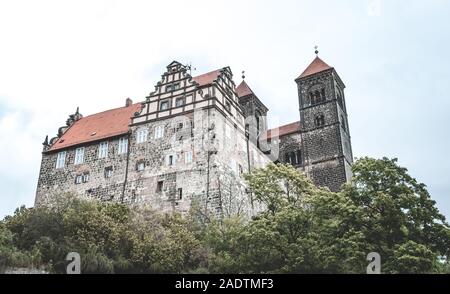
{"x":317,"y":94}
{"x":320,"y":120}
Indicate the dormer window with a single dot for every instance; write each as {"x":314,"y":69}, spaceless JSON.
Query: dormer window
{"x":164,"y":105}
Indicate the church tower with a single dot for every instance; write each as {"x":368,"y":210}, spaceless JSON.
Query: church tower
{"x":255,"y":113}
{"x":325,"y":135}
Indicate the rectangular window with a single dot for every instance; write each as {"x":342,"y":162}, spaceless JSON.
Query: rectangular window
{"x":159,"y":186}
{"x":170,"y":160}
{"x":179,"y":102}
{"x":78,"y":179}
{"x":164,"y":105}
{"x":188,"y":157}
{"x":123,"y":146}
{"x":140,"y":166}
{"x":85,"y":178}
{"x":108,"y":172}
{"x":159,"y":132}
{"x":103,"y":150}
{"x":79,"y":155}
{"x":141,"y":136}
{"x":172,"y":87}
{"x":180,"y":193}
{"x":61,"y":159}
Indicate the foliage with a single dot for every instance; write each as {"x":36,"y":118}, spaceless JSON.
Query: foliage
{"x":305,"y":229}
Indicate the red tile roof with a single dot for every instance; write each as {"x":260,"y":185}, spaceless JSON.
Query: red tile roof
{"x":98,"y":126}
{"x":243,"y":90}
{"x":318,"y":65}
{"x":207,"y":78}
{"x":282,"y":131}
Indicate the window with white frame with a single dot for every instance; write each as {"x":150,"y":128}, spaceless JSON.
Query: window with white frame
{"x":61,"y":159}
{"x":123,"y":146}
{"x":86,"y":178}
{"x":141,"y":136}
{"x":188,"y":157}
{"x":103,"y":150}
{"x":159,"y":132}
{"x":79,"y":155}
{"x":79,"y":179}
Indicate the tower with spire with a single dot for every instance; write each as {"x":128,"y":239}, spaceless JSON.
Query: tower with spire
{"x":255,"y":112}
{"x":325,"y":135}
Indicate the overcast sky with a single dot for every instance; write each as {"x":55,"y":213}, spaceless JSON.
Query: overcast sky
{"x":392,"y":55}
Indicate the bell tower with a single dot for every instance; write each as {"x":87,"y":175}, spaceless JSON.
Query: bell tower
{"x":325,"y":135}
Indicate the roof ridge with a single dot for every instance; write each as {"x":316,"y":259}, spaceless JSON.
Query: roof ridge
{"x":112,"y":109}
{"x":209,"y":72}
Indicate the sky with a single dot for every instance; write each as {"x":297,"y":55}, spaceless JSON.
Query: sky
{"x":392,"y":56}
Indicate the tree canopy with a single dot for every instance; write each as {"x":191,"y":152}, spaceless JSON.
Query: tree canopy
{"x":305,"y":229}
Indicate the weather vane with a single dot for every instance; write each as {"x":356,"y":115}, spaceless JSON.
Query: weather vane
{"x":317,"y":49}
{"x":243,"y":74}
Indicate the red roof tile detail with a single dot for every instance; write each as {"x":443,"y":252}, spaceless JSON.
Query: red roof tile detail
{"x":282,"y":131}
{"x":318,"y":65}
{"x":98,"y":126}
{"x":207,"y":78}
{"x":243,"y":90}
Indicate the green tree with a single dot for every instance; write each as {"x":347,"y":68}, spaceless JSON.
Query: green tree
{"x":400,"y":220}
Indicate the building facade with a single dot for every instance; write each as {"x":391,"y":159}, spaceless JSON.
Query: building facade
{"x":192,"y":140}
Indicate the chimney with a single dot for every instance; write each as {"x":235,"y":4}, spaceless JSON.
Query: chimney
{"x":128,"y":102}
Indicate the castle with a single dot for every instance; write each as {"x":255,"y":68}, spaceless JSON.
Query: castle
{"x":192,"y":140}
